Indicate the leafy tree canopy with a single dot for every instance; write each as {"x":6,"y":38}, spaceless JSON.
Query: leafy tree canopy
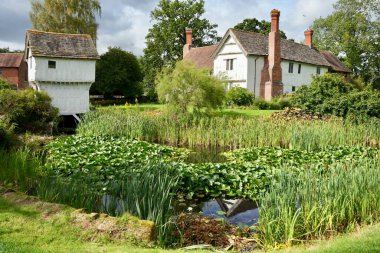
{"x":66,"y":16}
{"x":166,"y":38}
{"x":352,"y":32}
{"x":118,"y":73}
{"x":254,"y":25}
{"x":189,"y":87}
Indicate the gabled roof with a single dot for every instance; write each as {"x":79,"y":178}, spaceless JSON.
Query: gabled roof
{"x":11,"y":60}
{"x":257,"y":44}
{"x":336,"y":64}
{"x":201,"y":56}
{"x":61,"y":45}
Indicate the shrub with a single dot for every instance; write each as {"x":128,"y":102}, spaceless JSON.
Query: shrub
{"x":28,"y":110}
{"x":239,"y":96}
{"x":6,"y":134}
{"x":189,"y":87}
{"x":4,"y":85}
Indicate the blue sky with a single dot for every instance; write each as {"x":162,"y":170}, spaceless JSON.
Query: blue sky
{"x":124,"y":23}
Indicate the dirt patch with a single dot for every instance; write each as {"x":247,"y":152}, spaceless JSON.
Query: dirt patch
{"x":127,"y":226}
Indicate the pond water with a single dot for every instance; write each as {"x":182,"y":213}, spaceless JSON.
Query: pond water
{"x":206,"y":155}
{"x":239,"y":212}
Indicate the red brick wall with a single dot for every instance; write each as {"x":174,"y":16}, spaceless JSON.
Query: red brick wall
{"x":16,"y":76}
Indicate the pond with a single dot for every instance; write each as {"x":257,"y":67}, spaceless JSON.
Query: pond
{"x":241,"y":212}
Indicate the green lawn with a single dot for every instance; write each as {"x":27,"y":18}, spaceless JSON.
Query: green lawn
{"x":25,"y":228}
{"x":229,"y":112}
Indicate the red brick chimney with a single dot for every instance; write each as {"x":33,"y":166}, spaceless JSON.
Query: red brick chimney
{"x":309,"y":37}
{"x":274,"y":86}
{"x":189,"y":41}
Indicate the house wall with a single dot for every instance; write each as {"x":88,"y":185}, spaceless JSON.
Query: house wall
{"x":67,"y":70}
{"x":11,"y":75}
{"x":68,"y":98}
{"x":237,"y":76}
{"x":255,"y":65}
{"x":294,"y":79}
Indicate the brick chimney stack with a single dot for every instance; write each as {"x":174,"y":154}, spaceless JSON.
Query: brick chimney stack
{"x":309,"y":38}
{"x":274,"y":86}
{"x":189,"y":41}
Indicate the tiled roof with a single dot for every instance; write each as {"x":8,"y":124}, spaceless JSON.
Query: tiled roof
{"x":201,"y":56}
{"x":336,"y":64}
{"x":11,"y":60}
{"x":257,"y":44}
{"x":61,"y":45}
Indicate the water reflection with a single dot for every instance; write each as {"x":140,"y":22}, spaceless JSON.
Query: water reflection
{"x":241,"y":212}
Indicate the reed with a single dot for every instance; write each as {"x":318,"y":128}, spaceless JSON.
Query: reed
{"x":311,"y":205}
{"x":229,"y":132}
{"x":20,"y":169}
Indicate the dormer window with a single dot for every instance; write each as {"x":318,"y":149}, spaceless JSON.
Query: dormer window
{"x":229,"y":64}
{"x":51,"y":64}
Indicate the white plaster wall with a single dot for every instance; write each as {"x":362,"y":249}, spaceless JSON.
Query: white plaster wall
{"x":238,"y":75}
{"x":254,"y":77}
{"x":67,"y":70}
{"x":295,"y":79}
{"x":68,"y":98}
{"x":31,"y":68}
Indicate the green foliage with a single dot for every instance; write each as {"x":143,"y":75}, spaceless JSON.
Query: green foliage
{"x":278,"y":103}
{"x":254,"y":25}
{"x":166,"y":38}
{"x":4,"y":85}
{"x":28,"y":110}
{"x":20,"y":170}
{"x":118,"y":73}
{"x":309,"y":205}
{"x":189,"y":87}
{"x":228,"y":131}
{"x":7,"y":137}
{"x":331,"y":94}
{"x":76,"y":154}
{"x":73,"y":16}
{"x":352,"y":31}
{"x":239,"y":96}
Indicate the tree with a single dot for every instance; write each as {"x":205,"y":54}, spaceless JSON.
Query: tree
{"x":352,"y":32}
{"x":189,"y":87}
{"x":254,"y":25}
{"x":118,"y":73}
{"x":4,"y":50}
{"x":66,"y":16}
{"x":166,"y":38}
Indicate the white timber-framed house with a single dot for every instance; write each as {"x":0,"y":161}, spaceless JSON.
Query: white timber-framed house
{"x":267,"y":66}
{"x":63,"y":65}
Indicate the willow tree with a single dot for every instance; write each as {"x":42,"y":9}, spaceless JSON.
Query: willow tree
{"x":66,"y":16}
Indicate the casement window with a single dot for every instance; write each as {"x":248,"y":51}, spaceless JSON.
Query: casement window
{"x":294,"y":88}
{"x":291,"y":65}
{"x":51,"y":64}
{"x":229,"y":64}
{"x":318,"y":70}
{"x":299,"y":68}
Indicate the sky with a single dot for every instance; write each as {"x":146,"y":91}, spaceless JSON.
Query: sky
{"x":125,"y":23}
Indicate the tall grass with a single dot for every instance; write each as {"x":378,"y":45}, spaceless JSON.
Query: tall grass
{"x":311,"y":205}
{"x":20,"y":169}
{"x":229,"y":132}
{"x":145,"y":191}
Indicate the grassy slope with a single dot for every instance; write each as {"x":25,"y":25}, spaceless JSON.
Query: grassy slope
{"x":364,"y":241}
{"x":23,"y":228}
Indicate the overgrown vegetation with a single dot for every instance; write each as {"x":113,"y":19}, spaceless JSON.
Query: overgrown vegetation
{"x":331,"y":94}
{"x":308,"y":205}
{"x":28,"y":110}
{"x":228,"y":131}
{"x":238,"y":96}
